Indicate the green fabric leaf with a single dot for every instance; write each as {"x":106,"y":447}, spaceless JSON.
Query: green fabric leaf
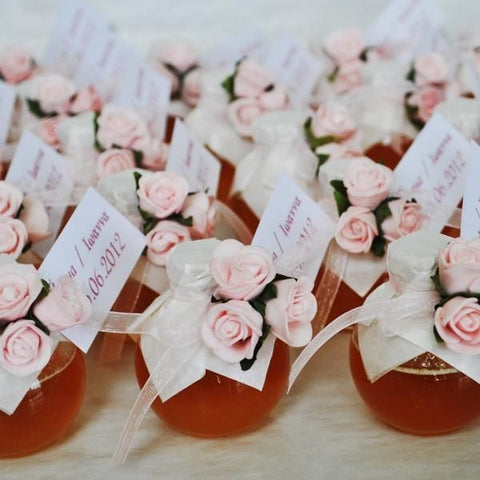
{"x":97,"y":145}
{"x":36,"y":109}
{"x":378,"y":246}
{"x":411,"y":74}
{"x":340,"y":196}
{"x":322,"y":158}
{"x":314,"y":141}
{"x":246,"y":364}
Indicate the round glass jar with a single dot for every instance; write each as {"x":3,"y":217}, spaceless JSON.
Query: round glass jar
{"x":424,"y":396}
{"x":387,"y":154}
{"x":49,"y":407}
{"x":217,"y":406}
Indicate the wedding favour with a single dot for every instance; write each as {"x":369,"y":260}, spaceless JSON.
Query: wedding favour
{"x":7,"y":106}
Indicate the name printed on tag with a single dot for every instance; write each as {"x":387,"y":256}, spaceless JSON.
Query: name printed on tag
{"x":295,"y":229}
{"x":42,"y":173}
{"x":471,"y":196}
{"x":189,"y":158}
{"x":7,"y":105}
{"x":98,"y":248}
{"x":436,"y":163}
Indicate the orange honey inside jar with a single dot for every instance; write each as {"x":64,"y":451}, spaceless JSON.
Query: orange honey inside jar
{"x":241,"y":208}
{"x":215,"y":405}
{"x":227,"y":174}
{"x":388,"y":155}
{"x":424,"y":396}
{"x":49,"y":407}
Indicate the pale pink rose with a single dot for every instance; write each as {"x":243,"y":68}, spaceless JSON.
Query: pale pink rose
{"x":458,"y":324}
{"x":24,"y":348}
{"x":162,"y":238}
{"x":13,"y":236}
{"x":356,"y":230}
{"x":290,"y":314}
{"x":407,"y":217}
{"x":431,"y":67}
{"x":120,"y":127}
{"x":339,"y":150}
{"x":65,"y":306}
{"x":344,"y":45}
{"x":241,"y":271}
{"x":426,"y":98}
{"x":155,"y":153}
{"x":349,"y":76}
{"x":53,"y":92}
{"x":114,"y":160}
{"x":162,"y":193}
{"x":275,"y":99}
{"x":86,"y":99}
{"x":459,"y":266}
{"x":232,"y":330}
{"x":16,"y":64}
{"x":251,"y":79}
{"x":242,"y":114}
{"x":192,"y":88}
{"x":35,"y":218}
{"x":333,"y":119}
{"x":11,"y":199}
{"x":201,"y":207}
{"x":19,"y":287}
{"x":48,"y":130}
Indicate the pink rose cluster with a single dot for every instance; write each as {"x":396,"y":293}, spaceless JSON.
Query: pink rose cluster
{"x":457,"y":316}
{"x":23,"y":220}
{"x":430,"y":74}
{"x":16,"y":64}
{"x":251,"y":300}
{"x":29,"y":311}
{"x":252,"y":91}
{"x":171,"y":214}
{"x":368,"y":216}
{"x":124,"y":141}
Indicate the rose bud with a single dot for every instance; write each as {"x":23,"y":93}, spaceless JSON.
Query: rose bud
{"x":162,"y":238}
{"x":242,"y":113}
{"x":11,"y":199}
{"x":344,"y":45}
{"x":53,"y":92}
{"x":48,"y":130}
{"x":35,"y":218}
{"x":333,"y":119}
{"x":202,"y":209}
{"x":251,"y":79}
{"x":431,"y":67}
{"x":113,"y":161}
{"x":13,"y":236}
{"x":356,"y":230}
{"x":16,"y":64}
{"x":407,"y":217}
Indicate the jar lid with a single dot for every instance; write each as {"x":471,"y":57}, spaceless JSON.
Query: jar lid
{"x":412,"y":260}
{"x":280,"y":126}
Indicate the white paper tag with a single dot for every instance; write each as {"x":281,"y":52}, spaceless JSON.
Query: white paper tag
{"x":7,"y":104}
{"x":189,"y":158}
{"x":42,"y":173}
{"x":295,"y":229}
{"x":97,"y":248}
{"x":73,"y":34}
{"x":471,"y":196}
{"x":293,"y":66}
{"x":436,"y":163}
{"x":224,"y":55}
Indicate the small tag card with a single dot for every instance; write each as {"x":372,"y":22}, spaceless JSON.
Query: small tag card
{"x":295,"y":229}
{"x":294,"y":67}
{"x":7,"y":104}
{"x":189,"y":158}
{"x":98,"y":248}
{"x":471,"y":196}
{"x":41,"y":172}
{"x":224,"y":55}
{"x":436,"y":163}
{"x":73,"y":34}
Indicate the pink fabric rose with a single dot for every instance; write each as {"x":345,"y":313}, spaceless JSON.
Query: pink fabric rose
{"x":407,"y":217}
{"x":241,"y":271}
{"x":86,"y":99}
{"x":426,"y":98}
{"x":251,"y":79}
{"x":367,"y":182}
{"x":275,"y":99}
{"x":64,"y":307}
{"x":192,"y":88}
{"x":53,"y":92}
{"x":24,"y":348}
{"x":458,"y":324}
{"x":201,"y":207}
{"x":290,"y":314}
{"x":242,"y":113}
{"x":162,"y":193}
{"x":11,"y":199}
{"x":333,"y":119}
{"x":349,"y":76}
{"x":114,"y":160}
{"x":459,"y":266}
{"x":431,"y":67}
{"x":48,"y":130}
{"x":120,"y":127}
{"x":344,"y":45}
{"x":16,"y":64}
{"x":162,"y":238}
{"x":232,"y":330}
{"x":19,"y":287}
{"x":13,"y":236}
{"x":356,"y":230}
{"x":35,"y":218}
{"x":155,"y":154}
